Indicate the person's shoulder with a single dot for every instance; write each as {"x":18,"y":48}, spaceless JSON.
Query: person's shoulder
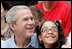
{"x":5,"y":44}
{"x":65,"y":4}
{"x":67,"y":7}
{"x":34,"y":37}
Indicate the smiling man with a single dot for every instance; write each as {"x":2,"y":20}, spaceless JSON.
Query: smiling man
{"x":21,"y":21}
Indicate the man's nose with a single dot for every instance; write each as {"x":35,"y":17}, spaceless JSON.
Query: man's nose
{"x":30,"y":21}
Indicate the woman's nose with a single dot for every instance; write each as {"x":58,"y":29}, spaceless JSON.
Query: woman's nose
{"x":50,"y":31}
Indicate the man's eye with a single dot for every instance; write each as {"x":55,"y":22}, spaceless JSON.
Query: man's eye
{"x":25,"y":19}
{"x":32,"y":18}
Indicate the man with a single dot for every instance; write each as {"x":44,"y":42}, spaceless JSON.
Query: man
{"x":57,"y":10}
{"x":21,"y":21}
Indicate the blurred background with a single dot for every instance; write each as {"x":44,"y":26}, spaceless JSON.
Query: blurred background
{"x":65,"y":1}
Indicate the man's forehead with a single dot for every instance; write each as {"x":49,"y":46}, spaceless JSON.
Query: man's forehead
{"x":23,"y":11}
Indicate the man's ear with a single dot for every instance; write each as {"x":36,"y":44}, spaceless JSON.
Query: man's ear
{"x":40,"y":39}
{"x":12,"y":26}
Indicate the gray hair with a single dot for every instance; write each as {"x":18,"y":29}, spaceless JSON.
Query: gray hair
{"x":11,"y":15}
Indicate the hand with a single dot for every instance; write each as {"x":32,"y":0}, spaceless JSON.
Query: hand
{"x":66,"y":46}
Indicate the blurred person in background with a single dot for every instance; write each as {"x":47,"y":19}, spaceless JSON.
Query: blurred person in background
{"x":5,"y":31}
{"x":38,"y":14}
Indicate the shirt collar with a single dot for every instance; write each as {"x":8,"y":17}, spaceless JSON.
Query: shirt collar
{"x":34,"y":42}
{"x":13,"y":39}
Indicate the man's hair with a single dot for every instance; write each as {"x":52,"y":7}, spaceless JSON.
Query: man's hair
{"x":12,"y":15}
{"x":61,"y":39}
{"x":6,"y":5}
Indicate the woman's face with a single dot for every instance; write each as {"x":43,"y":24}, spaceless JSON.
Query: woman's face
{"x":49,"y":33}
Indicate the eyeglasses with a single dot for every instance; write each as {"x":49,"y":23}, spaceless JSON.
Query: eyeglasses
{"x":46,"y":29}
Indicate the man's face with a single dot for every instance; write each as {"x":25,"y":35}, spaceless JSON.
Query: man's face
{"x":25,"y":25}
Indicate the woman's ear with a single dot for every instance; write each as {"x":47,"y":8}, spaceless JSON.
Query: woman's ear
{"x":40,"y":39}
{"x":12,"y":26}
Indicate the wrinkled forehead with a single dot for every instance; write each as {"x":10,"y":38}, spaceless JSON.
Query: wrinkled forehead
{"x":24,"y":12}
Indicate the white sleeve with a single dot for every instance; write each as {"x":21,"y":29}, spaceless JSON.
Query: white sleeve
{"x":3,"y":44}
{"x":69,"y":39}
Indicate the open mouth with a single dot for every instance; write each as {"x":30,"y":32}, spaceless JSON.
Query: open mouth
{"x":51,"y":37}
{"x":29,"y":28}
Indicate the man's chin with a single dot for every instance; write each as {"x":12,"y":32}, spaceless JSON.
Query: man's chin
{"x":30,"y":34}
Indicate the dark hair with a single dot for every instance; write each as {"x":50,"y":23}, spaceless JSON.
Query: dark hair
{"x":27,"y":3}
{"x":6,"y":5}
{"x":61,"y":39}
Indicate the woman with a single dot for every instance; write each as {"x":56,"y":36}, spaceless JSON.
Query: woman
{"x":5,"y":6}
{"x":51,"y":35}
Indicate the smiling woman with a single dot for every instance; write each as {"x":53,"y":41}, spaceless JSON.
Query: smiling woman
{"x":51,"y":35}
